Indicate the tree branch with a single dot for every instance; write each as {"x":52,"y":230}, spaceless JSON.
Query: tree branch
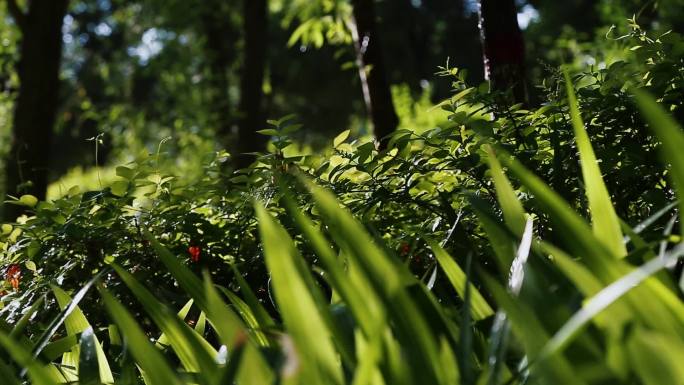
{"x":17,"y":14}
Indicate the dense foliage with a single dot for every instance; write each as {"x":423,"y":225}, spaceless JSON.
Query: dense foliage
{"x":421,"y":263}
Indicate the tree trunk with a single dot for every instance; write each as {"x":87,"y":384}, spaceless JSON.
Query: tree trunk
{"x":376,"y":90}
{"x":503,"y":48}
{"x":36,"y":104}
{"x":220,"y":37}
{"x":255,"y":16}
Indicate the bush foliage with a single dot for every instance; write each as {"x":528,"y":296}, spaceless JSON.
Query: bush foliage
{"x":507,"y":246}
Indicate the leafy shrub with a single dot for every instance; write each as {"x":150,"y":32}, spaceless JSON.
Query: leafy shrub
{"x":314,"y":293}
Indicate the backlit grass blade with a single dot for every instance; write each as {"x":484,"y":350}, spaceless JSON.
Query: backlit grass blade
{"x":501,"y":239}
{"x":230,"y":323}
{"x":656,"y":358}
{"x":38,"y":374}
{"x":605,"y":223}
{"x":195,"y":354}
{"x":513,"y":212}
{"x":478,"y":305}
{"x":88,"y":367}
{"x":149,"y":358}
{"x":527,"y":327}
{"x":605,"y":298}
{"x":260,"y":313}
{"x":390,"y":280}
{"x":75,"y":324}
{"x":365,"y":307}
{"x":163,"y":341}
{"x":577,"y":234}
{"x":301,"y":316}
{"x":672,"y":141}
{"x":247,"y":316}
{"x":254,"y":369}
{"x":57,"y":322}
{"x":8,"y":374}
{"x":24,"y":320}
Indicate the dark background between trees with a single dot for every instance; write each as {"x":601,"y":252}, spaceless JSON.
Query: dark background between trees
{"x":85,"y":84}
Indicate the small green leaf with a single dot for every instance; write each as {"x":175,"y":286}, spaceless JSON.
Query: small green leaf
{"x":119,"y":188}
{"x":30,"y":265}
{"x":339,"y":139}
{"x":28,"y":200}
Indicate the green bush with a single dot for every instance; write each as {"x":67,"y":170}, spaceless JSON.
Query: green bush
{"x":419,"y":264}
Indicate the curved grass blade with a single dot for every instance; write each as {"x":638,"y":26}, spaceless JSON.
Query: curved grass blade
{"x":76,"y":323}
{"x":366,"y":308}
{"x":670,"y":135}
{"x":527,"y":327}
{"x":299,"y":310}
{"x":479,"y":306}
{"x":603,"y":299}
{"x":59,"y":320}
{"x":38,"y":374}
{"x":260,"y":314}
{"x":655,"y":357}
{"x":248,"y":316}
{"x":605,"y":223}
{"x":225,"y":321}
{"x":149,"y":358}
{"x":514,"y":214}
{"x":193,"y":351}
{"x":24,"y":320}
{"x":88,"y":367}
{"x":390,"y":280}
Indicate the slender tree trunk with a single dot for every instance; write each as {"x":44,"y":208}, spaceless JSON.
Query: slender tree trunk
{"x":255,"y":15}
{"x":376,"y":90}
{"x":36,"y":104}
{"x":220,"y":37}
{"x":503,"y":48}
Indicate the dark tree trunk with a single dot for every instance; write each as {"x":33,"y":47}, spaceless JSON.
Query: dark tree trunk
{"x":220,"y":38}
{"x":36,"y":104}
{"x":503,"y":48}
{"x":255,"y":15}
{"x":376,"y":90}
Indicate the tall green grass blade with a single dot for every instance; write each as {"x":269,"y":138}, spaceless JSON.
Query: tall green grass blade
{"x":225,"y":321}
{"x":248,"y":316}
{"x":58,"y":347}
{"x":163,"y":341}
{"x":670,"y":135}
{"x":303,"y":321}
{"x":25,"y":319}
{"x":390,"y":280}
{"x":254,"y":369}
{"x":576,"y":233}
{"x":149,"y":358}
{"x":195,"y":354}
{"x":88,"y":367}
{"x":38,"y":374}
{"x":76,"y":323}
{"x":500,"y":238}
{"x":465,"y":348}
{"x":8,"y":374}
{"x":479,"y":306}
{"x":605,"y":223}
{"x":513,"y":212}
{"x":57,"y":322}
{"x":366,"y":307}
{"x":656,"y":358}
{"x":603,"y":299}
{"x":260,"y":314}
{"x":527,"y":327}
